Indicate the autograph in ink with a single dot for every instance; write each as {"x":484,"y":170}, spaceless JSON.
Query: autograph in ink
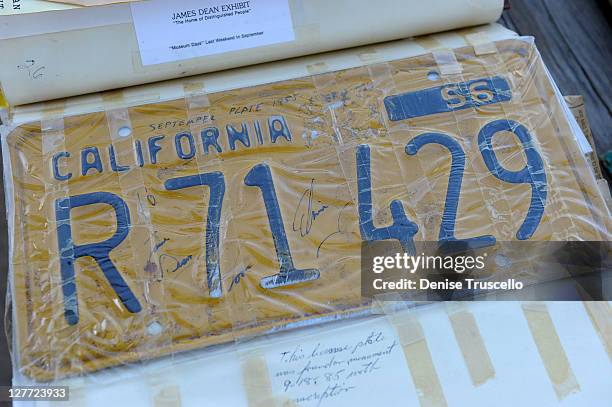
{"x":305,"y":213}
{"x":175,"y":264}
{"x":238,"y":277}
{"x":338,"y":229}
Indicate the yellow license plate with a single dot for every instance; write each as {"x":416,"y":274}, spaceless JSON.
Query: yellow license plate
{"x":183,"y":225}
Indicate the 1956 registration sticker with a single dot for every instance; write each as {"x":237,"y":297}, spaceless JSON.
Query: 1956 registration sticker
{"x":191,"y":226}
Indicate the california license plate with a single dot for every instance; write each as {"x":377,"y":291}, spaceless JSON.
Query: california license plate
{"x":185,"y":225}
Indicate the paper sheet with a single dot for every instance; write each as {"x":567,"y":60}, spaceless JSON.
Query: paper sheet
{"x":170,"y":32}
{"x":73,"y":66}
{"x":341,"y":369}
{"x":214,"y":379}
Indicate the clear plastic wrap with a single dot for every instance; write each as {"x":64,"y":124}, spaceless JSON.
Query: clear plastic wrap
{"x":165,"y":227}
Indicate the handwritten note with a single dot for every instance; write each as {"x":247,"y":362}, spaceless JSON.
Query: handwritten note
{"x":343,"y":369}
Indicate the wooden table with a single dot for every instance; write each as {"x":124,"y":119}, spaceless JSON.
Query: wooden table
{"x":574,"y":39}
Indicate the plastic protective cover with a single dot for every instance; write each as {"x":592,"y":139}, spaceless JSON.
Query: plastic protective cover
{"x":172,"y":226}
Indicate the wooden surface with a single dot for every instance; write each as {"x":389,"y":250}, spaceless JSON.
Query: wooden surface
{"x":574,"y":39}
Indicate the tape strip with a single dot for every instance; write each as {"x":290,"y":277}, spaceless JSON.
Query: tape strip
{"x":565,"y":224}
{"x":324,"y":85}
{"x":52,"y":144}
{"x":134,"y":96}
{"x":164,"y":390}
{"x":54,"y":109}
{"x":257,"y":384}
{"x":162,"y":386}
{"x":317,"y":68}
{"x":195,"y":95}
{"x":426,"y":204}
{"x":131,"y":182}
{"x":308,"y":34}
{"x":305,"y":24}
{"x":370,"y":56}
{"x":198,"y":106}
{"x":299,"y":13}
{"x":111,"y":97}
{"x":256,"y":380}
{"x":447,"y":62}
{"x":600,"y":313}
{"x":550,"y":349}
{"x":164,"y":394}
{"x":429,"y":43}
{"x":481,"y":43}
{"x":113,"y":100}
{"x":416,"y":351}
{"x":470,"y":342}
{"x":496,"y":64}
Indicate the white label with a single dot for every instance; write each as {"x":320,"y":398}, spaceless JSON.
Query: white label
{"x":175,"y":30}
{"x":363,"y":366}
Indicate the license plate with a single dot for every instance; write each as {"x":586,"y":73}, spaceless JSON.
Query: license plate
{"x":196,"y":224}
